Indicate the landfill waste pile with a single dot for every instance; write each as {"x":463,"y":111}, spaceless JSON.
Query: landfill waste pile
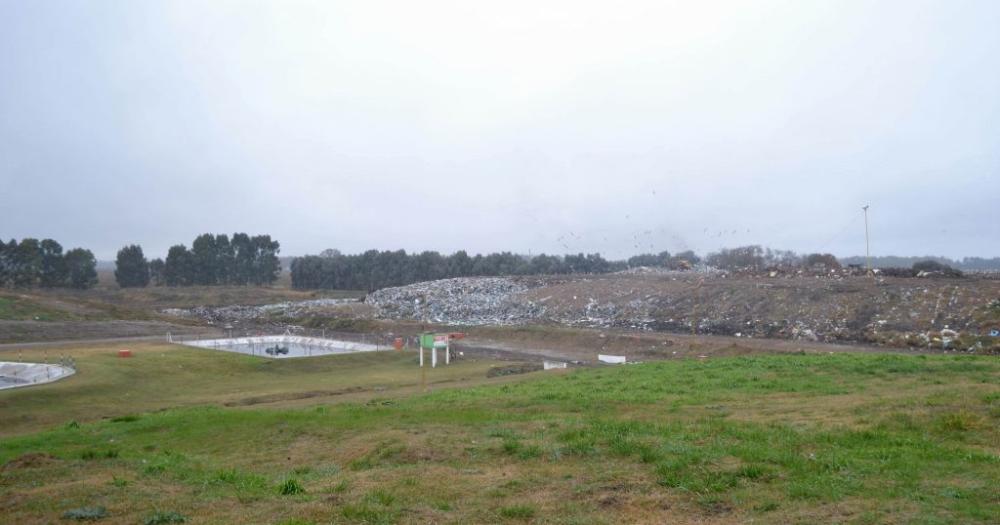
{"x":238,"y":314}
{"x":462,"y":300}
{"x":943,"y":314}
{"x":827,"y":306}
{"x":668,"y":272}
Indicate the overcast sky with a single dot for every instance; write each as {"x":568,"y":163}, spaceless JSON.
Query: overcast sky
{"x":556,"y":127}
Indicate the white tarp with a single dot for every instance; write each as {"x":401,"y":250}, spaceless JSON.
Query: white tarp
{"x":291,"y":346}
{"x":13,"y":375}
{"x":613,"y":359}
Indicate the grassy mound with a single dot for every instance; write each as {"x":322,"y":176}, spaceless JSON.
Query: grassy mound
{"x":775,"y":439}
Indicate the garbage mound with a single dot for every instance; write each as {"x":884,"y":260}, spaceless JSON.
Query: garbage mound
{"x":462,"y":300}
{"x":828,"y":307}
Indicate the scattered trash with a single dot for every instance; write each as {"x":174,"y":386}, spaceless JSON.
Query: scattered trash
{"x":947,"y":337}
{"x":524,"y":368}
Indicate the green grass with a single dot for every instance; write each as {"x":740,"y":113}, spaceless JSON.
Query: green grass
{"x":162,"y":376}
{"x":16,"y":308}
{"x":107,"y":303}
{"x":518,"y":512}
{"x":773,"y":439}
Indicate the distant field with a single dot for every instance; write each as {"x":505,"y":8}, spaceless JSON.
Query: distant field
{"x":57,"y":314}
{"x":106,"y":278}
{"x":141,"y":303}
{"x":844,"y":438}
{"x":22,"y":308}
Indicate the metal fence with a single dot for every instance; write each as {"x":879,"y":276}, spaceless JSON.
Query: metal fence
{"x":64,"y":360}
{"x":381,"y":341}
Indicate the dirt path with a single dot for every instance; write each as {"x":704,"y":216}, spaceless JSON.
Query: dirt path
{"x":59,"y":331}
{"x":585,"y":347}
{"x":582,"y":346}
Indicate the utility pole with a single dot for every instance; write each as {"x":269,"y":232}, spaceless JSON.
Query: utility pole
{"x":868,"y":255}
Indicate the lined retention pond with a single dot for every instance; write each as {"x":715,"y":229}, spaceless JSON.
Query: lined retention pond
{"x":13,"y":374}
{"x":283,"y":346}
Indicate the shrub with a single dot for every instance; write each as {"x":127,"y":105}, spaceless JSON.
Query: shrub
{"x":380,"y":497}
{"x":936,"y":267}
{"x":89,"y":455}
{"x":530,"y":452}
{"x":518,"y":512}
{"x":291,"y":487}
{"x":827,"y":260}
{"x":368,"y":514}
{"x":511,"y":446}
{"x":960,"y":421}
{"x":161,"y":518}
{"x":898,"y":272}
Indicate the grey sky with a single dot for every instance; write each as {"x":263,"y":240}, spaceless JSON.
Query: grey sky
{"x":528,"y":126}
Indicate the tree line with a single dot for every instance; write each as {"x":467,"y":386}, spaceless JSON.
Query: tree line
{"x":375,"y":269}
{"x":894,"y":261}
{"x":680,"y":261}
{"x":30,"y":263}
{"x":211,"y":260}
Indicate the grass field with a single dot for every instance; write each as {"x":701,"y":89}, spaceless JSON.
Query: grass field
{"x":19,"y":308}
{"x":770,"y":439}
{"x":162,"y":376}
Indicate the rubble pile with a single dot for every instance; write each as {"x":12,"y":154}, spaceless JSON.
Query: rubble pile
{"x":840,"y":308}
{"x":236,"y":314}
{"x":462,"y":300}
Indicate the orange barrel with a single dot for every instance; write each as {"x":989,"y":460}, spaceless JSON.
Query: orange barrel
{"x":398,"y":343}
{"x":124,"y":353}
